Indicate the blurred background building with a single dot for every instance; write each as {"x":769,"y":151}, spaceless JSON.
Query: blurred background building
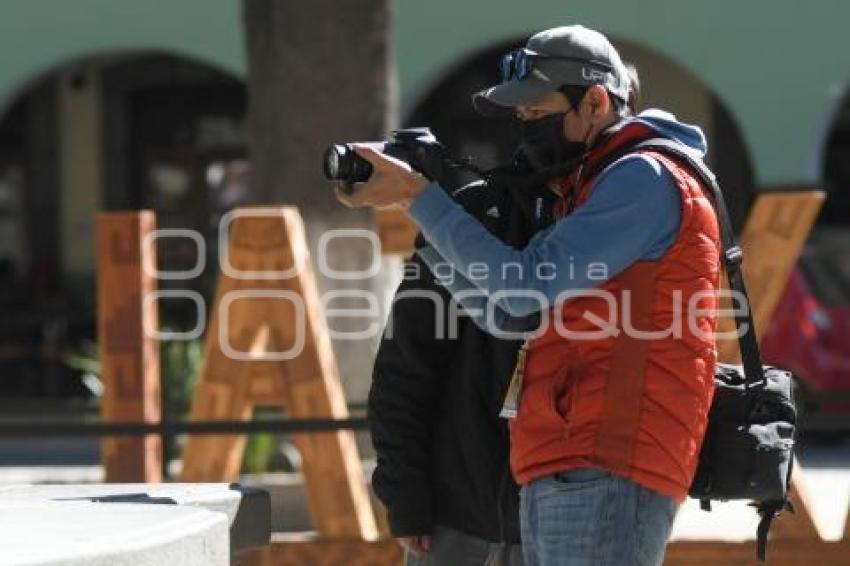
{"x":121,"y":104}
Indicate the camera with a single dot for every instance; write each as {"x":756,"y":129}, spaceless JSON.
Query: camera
{"x":415,"y":146}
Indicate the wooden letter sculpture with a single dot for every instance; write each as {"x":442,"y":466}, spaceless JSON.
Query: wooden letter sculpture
{"x":268,"y":345}
{"x":776,"y":229}
{"x":129,"y":356}
{"x":773,"y":237}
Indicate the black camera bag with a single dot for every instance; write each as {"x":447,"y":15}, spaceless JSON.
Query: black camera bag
{"x":747,"y":452}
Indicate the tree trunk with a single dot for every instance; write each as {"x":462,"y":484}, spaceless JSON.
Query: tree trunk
{"x":320,"y":72}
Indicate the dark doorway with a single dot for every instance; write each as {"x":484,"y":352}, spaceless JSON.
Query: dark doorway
{"x":173,"y":136}
{"x":172,"y":141}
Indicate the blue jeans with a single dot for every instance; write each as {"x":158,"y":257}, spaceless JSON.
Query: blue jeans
{"x":588,"y":517}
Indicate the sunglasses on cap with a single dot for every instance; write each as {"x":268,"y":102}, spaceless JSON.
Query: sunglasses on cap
{"x":519,"y":63}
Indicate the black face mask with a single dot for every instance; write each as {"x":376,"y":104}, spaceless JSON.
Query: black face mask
{"x":542,"y":142}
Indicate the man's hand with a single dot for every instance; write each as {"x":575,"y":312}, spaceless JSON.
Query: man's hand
{"x":393,"y":182}
{"x":418,"y":545}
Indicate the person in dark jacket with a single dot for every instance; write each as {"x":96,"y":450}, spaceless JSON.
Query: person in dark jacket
{"x":434,"y":404}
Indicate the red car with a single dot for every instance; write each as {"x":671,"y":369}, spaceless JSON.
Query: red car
{"x":810,"y":330}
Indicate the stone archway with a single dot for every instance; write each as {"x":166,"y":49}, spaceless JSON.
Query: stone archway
{"x":116,"y":130}
{"x":835,"y":166}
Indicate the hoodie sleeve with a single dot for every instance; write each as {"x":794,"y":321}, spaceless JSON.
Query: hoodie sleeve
{"x":633,"y":213}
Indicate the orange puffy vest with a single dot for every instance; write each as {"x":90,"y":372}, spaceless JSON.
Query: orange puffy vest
{"x":635,"y":406}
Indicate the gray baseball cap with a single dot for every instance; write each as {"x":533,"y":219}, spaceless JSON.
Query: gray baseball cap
{"x":567,"y":55}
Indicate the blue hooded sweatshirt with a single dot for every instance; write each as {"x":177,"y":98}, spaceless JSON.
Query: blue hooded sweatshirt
{"x":633,"y":213}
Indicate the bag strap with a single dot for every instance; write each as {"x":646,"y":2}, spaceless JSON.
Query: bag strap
{"x":732,"y":256}
{"x":732,"y":259}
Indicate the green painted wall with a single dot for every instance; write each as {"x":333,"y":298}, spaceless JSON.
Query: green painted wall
{"x":37,"y":35}
{"x":780,"y":66}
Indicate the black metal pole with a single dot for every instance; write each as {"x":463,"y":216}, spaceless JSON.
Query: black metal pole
{"x":60,"y":428}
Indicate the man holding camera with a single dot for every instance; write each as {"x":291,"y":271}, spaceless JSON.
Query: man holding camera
{"x":615,"y":388}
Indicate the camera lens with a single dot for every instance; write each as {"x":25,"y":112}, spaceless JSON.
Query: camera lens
{"x":333,"y":162}
{"x":340,"y":163}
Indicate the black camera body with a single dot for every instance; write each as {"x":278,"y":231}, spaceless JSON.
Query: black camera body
{"x":415,"y":146}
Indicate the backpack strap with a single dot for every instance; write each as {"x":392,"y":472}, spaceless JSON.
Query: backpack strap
{"x":768,"y":511}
